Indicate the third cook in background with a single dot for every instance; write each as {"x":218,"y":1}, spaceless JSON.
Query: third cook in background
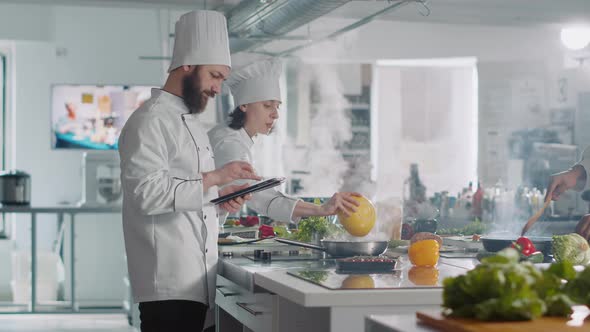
{"x":574,"y":178}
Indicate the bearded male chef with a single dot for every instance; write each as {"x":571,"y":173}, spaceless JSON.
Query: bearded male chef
{"x":169,"y":178}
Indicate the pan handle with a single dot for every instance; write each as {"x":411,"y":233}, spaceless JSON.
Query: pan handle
{"x":300,"y":244}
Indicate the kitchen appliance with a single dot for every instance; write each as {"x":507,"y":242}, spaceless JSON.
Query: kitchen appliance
{"x":344,"y":248}
{"x":334,"y":280}
{"x":292,"y":255}
{"x":101,"y":179}
{"x":365,"y":264}
{"x":15,"y":188}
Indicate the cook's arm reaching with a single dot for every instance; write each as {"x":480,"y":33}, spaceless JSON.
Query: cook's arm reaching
{"x":275,"y":204}
{"x":574,"y":178}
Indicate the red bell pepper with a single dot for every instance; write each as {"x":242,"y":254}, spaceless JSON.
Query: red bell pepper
{"x":249,"y":221}
{"x":524,"y":245}
{"x":265,"y":231}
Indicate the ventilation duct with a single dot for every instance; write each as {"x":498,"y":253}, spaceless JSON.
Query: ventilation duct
{"x":253,"y":22}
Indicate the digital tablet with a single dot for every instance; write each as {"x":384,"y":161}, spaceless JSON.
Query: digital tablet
{"x":270,"y":183}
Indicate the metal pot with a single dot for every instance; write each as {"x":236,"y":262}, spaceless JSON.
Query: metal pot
{"x":344,"y":248}
{"x":497,"y":243}
{"x":15,"y":188}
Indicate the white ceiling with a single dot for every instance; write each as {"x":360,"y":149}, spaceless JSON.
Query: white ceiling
{"x":486,"y":12}
{"x":192,"y":4}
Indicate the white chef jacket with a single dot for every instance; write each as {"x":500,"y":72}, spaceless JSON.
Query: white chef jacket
{"x":230,"y":145}
{"x":170,"y":228}
{"x":585,"y":162}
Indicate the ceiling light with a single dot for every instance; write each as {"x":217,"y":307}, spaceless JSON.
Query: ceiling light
{"x":575,"y":38}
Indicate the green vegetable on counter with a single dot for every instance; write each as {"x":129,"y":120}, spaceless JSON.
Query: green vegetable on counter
{"x":535,"y":258}
{"x":579,"y":287}
{"x":281,"y":231}
{"x":316,"y":225}
{"x":502,"y":288}
{"x":398,"y":243}
{"x":572,"y":248}
{"x":315,"y":276}
{"x":320,"y":225}
{"x":310,"y":225}
{"x":475,"y":227}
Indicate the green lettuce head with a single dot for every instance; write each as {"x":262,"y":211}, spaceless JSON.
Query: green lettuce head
{"x":572,"y":248}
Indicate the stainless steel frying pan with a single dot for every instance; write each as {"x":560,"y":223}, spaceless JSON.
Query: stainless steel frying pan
{"x":344,"y":248}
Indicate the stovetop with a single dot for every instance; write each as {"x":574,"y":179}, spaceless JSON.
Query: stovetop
{"x":333,"y":279}
{"x":404,"y":276}
{"x":282,"y":257}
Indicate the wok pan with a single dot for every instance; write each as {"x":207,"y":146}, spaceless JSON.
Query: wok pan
{"x":495,"y":243}
{"x":344,"y":248}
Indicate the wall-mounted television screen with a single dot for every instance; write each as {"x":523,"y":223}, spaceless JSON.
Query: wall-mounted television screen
{"x":92,"y":116}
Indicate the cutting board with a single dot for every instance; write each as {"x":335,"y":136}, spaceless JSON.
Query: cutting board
{"x":543,"y":324}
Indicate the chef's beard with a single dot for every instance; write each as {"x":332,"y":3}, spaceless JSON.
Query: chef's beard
{"x":194,"y":97}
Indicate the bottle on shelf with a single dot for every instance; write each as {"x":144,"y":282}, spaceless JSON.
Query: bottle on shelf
{"x":478,"y":201}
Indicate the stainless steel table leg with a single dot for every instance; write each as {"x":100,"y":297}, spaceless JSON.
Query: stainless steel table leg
{"x":59,"y":248}
{"x":33,"y":262}
{"x":72,"y":261}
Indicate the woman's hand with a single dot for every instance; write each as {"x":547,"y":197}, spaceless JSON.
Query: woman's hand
{"x":340,"y":202}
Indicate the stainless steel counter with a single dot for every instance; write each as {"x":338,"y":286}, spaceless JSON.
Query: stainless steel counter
{"x":60,"y":211}
{"x":342,"y":309}
{"x":241,"y":270}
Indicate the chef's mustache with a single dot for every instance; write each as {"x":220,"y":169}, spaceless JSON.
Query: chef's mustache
{"x":210,"y":94}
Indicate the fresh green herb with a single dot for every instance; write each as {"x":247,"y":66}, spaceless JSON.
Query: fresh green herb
{"x":398,"y":243}
{"x":578,"y":288}
{"x":309,"y":226}
{"x":475,"y":227}
{"x":315,"y":276}
{"x":316,"y":225}
{"x":536,"y":257}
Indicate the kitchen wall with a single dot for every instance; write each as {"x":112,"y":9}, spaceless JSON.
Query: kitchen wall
{"x":62,"y":44}
{"x":410,"y":40}
{"x":504,"y":55}
{"x":438,"y":125}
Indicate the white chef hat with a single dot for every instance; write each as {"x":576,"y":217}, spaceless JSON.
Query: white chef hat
{"x":200,"y":39}
{"x":256,"y":82}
